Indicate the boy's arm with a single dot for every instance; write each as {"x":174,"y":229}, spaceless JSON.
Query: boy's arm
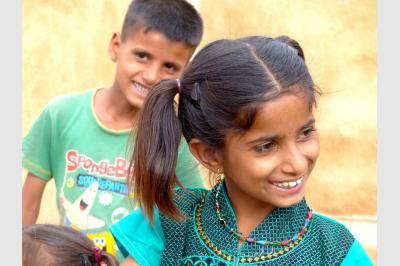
{"x":129,"y":262}
{"x":32,"y":193}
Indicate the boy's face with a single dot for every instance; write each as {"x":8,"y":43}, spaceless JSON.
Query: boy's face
{"x":143,"y":59}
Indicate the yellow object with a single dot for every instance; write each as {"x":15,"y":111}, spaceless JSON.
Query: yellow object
{"x":105,"y":241}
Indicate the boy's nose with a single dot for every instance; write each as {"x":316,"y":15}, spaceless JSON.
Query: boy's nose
{"x":294,"y":162}
{"x":151,"y":76}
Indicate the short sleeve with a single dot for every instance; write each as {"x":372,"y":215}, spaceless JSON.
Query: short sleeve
{"x":187,"y":168}
{"x":136,"y":237}
{"x":36,"y":147}
{"x":356,"y":256}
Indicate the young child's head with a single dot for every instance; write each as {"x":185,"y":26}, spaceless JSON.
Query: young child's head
{"x":46,"y":244}
{"x":246,"y":109}
{"x":158,"y":38}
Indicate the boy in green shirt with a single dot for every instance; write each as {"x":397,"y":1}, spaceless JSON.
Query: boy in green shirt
{"x":81,"y":140}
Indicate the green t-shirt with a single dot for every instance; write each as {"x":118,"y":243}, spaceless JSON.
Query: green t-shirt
{"x":89,"y":164}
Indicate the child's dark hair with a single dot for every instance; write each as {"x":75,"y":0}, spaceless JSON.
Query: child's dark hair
{"x":221,"y":91}
{"x":46,"y":244}
{"x":176,"y":19}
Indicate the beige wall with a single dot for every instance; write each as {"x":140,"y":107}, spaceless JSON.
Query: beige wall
{"x":65,"y":50}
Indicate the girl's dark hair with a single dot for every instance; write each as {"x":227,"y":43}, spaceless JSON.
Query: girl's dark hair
{"x":221,"y":91}
{"x":47,"y":244}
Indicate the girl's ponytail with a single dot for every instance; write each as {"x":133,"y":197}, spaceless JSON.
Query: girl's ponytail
{"x":156,"y":150}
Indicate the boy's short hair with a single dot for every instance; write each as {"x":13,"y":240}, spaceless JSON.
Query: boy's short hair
{"x":178,"y":20}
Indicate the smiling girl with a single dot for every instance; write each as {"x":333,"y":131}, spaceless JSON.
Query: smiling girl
{"x":246,"y":110}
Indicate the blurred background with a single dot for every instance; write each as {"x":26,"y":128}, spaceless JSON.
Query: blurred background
{"x":65,"y":50}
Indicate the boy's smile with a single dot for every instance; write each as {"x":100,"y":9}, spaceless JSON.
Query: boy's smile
{"x":143,"y":59}
{"x":269,"y":164}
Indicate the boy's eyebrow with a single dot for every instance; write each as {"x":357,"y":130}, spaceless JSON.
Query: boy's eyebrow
{"x":137,"y":50}
{"x":173,"y":64}
{"x":270,"y":138}
{"x":149,"y":55}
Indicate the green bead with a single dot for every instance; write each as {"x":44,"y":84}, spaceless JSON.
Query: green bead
{"x":275,"y":244}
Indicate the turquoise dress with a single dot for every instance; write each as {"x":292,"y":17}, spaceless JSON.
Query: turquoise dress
{"x":202,"y":240}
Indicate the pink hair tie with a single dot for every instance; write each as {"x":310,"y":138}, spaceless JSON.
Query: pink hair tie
{"x":179,"y":86}
{"x":97,"y":254}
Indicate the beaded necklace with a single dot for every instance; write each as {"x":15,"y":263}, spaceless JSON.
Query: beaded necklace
{"x":250,"y":240}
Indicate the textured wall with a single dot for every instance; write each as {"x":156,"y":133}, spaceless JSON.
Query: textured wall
{"x":65,"y":50}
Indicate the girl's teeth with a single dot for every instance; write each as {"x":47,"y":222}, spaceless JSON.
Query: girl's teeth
{"x":291,"y":184}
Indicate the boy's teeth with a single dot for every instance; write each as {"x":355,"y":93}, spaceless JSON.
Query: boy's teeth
{"x":140,"y":88}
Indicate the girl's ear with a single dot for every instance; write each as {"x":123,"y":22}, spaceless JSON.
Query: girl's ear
{"x":114,"y":45}
{"x":209,"y":157}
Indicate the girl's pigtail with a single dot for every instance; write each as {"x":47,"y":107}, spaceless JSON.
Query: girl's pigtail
{"x":156,"y":151}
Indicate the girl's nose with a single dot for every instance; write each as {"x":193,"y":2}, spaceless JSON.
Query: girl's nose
{"x":294,"y":161}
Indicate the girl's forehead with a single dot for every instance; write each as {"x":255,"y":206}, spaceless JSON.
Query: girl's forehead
{"x":282,"y":115}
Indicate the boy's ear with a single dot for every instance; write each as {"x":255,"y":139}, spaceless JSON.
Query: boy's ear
{"x":114,"y":45}
{"x":208,"y":156}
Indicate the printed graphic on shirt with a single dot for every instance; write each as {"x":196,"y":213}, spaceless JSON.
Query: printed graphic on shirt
{"x":77,"y":214}
{"x":94,"y":193}
{"x":105,"y":241}
{"x":117,"y":170}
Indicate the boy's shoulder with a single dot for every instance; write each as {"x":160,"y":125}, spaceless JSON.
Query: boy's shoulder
{"x":70,"y":100}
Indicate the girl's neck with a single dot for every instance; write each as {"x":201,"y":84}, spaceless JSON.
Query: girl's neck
{"x":249,"y":212}
{"x":113,"y":110}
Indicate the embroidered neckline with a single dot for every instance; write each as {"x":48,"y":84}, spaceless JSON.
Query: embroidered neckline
{"x":250,"y":240}
{"x":230,"y":257}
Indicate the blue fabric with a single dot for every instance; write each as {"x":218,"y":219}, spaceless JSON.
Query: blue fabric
{"x":356,"y":256}
{"x":136,"y":237}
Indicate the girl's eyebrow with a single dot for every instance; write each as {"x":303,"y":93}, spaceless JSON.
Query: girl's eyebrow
{"x":308,"y":124}
{"x":270,"y":138}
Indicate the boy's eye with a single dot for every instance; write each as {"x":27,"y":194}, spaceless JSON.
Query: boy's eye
{"x":142,"y":55}
{"x":170,"y":67}
{"x":266,"y":147}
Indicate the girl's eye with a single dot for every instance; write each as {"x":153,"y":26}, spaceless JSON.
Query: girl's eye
{"x":307,"y":133}
{"x":266,"y":147}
